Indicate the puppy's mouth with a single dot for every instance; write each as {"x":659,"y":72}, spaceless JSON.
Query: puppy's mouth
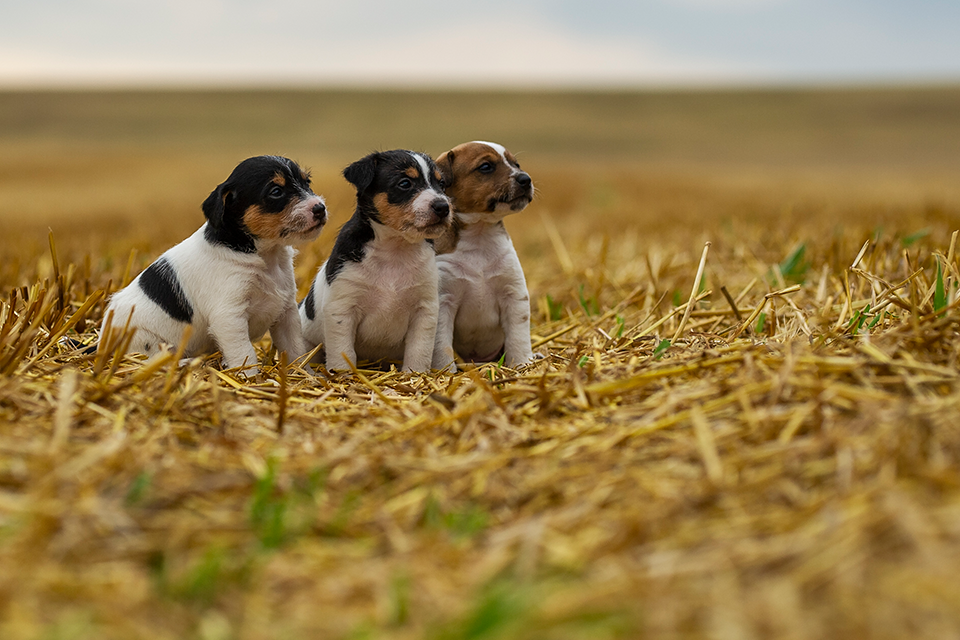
{"x":314,"y":227}
{"x":434,"y":229}
{"x":514,"y":202}
{"x":305,"y":231}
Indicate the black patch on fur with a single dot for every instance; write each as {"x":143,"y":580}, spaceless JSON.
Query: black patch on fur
{"x":234,"y":237}
{"x":308,"y":302}
{"x":251,"y":184}
{"x":161,"y":285}
{"x":353,"y":236}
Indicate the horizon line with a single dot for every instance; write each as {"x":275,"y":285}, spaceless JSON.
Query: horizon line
{"x":492,"y":86}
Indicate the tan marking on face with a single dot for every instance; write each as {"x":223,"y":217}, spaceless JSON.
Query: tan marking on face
{"x":411,"y":172}
{"x":267,"y":226}
{"x":398,"y":217}
{"x":470,"y":190}
{"x":279,"y":179}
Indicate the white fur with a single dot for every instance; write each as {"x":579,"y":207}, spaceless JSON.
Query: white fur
{"x":484,"y":304}
{"x":236,"y":297}
{"x":383,"y":307}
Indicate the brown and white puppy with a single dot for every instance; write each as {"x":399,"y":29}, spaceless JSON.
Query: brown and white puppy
{"x":484,"y":304}
{"x":232,"y":280}
{"x":375,"y":298}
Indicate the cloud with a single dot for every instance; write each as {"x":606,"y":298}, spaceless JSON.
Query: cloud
{"x":429,"y":42}
{"x":477,"y":52}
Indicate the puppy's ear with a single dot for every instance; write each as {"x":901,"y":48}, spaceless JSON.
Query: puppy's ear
{"x":445,"y":165}
{"x":215,"y":206}
{"x":447,"y":243}
{"x":362,"y":172}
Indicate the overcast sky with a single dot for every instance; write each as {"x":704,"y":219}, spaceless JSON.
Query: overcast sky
{"x":494,"y":42}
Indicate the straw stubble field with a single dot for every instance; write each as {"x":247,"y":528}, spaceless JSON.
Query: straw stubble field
{"x":755,"y":437}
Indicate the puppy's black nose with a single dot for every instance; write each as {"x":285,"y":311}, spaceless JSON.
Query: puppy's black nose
{"x":522,"y":179}
{"x":319,"y":211}
{"x":441,"y":208}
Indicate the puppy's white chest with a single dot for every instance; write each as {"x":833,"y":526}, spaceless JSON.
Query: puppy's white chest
{"x":269,"y":291}
{"x":396,"y":284}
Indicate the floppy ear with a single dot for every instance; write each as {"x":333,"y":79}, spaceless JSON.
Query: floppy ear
{"x":215,"y":206}
{"x":445,"y":165}
{"x":362,"y":172}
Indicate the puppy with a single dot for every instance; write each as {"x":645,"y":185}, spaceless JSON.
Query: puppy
{"x":232,"y":280}
{"x":484,"y":304}
{"x":375,"y":298}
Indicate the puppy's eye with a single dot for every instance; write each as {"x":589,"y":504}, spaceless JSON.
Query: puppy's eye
{"x":405,"y":184}
{"x":486,"y":167}
{"x":275,"y":192}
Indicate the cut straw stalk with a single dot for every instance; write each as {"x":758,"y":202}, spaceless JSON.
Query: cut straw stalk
{"x":63,"y":416}
{"x":683,"y":307}
{"x":615,"y":387}
{"x":80,"y":314}
{"x":756,"y":312}
{"x":283,"y":393}
{"x":693,"y":293}
{"x":707,"y":446}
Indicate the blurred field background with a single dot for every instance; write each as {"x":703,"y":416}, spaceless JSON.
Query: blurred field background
{"x":106,"y":171}
{"x":786,"y":468}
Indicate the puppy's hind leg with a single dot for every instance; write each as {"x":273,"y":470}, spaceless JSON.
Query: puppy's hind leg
{"x":232,"y":335}
{"x":287,"y":335}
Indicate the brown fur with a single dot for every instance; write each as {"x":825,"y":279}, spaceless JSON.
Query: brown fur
{"x":395,"y":217}
{"x":266,"y":225}
{"x":447,"y":241}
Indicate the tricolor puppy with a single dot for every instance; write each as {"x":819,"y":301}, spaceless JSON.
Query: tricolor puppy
{"x":375,"y":298}
{"x":232,"y":280}
{"x":484,"y":304}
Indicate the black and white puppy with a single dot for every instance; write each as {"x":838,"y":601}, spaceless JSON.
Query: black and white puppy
{"x":232,"y":280}
{"x":375,"y":298}
{"x":484,"y":304}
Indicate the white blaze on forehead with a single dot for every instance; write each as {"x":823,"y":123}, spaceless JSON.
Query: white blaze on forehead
{"x":499,"y":148}
{"x":424,"y":167}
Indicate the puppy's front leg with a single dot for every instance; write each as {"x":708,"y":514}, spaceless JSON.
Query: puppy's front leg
{"x":340,"y":334}
{"x":421,"y":337}
{"x":443,"y":354}
{"x":232,"y":335}
{"x":515,"y":318}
